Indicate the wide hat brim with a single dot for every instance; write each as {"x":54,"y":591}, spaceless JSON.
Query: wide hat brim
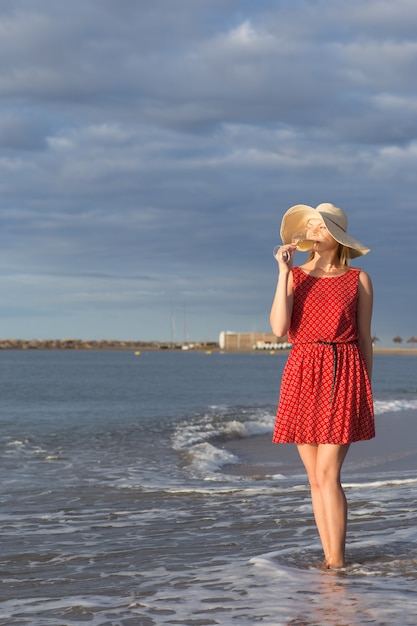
{"x":297,"y":217}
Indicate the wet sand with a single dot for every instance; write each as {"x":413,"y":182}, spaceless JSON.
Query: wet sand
{"x":393,"y":449}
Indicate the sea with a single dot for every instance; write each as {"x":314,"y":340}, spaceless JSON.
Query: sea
{"x":144,"y":490}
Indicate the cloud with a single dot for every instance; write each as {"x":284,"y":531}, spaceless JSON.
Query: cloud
{"x":148,"y":151}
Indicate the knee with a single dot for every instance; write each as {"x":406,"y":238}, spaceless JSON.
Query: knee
{"x":313,"y":481}
{"x":326,"y":477}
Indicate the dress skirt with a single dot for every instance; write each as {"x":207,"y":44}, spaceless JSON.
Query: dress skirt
{"x":325,"y":396}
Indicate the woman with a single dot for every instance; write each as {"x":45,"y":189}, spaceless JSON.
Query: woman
{"x":325,"y":400}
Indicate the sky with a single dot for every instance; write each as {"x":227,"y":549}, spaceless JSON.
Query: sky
{"x":148,"y":150}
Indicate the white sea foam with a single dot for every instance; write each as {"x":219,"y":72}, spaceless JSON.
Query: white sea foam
{"x":205,"y":459}
{"x":389,"y":482}
{"x":211,"y":426}
{"x":394,"y":405}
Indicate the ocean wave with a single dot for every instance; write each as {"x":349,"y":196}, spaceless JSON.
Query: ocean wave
{"x":389,"y":482}
{"x":205,"y":460}
{"x":211,"y":427}
{"x":394,"y":405}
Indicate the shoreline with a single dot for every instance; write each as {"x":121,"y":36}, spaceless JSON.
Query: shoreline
{"x":136,"y":345}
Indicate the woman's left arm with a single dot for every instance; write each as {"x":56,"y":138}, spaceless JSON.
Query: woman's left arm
{"x":364,"y":317}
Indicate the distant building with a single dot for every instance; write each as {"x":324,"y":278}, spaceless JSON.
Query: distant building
{"x":229,"y":340}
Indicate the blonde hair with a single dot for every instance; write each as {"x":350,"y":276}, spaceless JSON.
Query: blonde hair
{"x":344,"y":255}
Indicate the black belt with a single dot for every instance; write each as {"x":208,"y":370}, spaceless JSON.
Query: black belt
{"x":334,"y":345}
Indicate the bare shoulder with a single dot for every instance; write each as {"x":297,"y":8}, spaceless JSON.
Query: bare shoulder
{"x":365,"y":282}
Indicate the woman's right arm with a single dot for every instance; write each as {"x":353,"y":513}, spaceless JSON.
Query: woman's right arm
{"x":281,"y":310}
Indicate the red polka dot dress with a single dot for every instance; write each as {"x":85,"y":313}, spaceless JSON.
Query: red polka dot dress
{"x":325,"y":392}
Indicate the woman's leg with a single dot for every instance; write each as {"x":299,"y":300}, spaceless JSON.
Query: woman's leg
{"x":323,"y":463}
{"x":308,"y":454}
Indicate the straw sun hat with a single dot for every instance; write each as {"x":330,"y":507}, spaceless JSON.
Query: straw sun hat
{"x":297,"y":216}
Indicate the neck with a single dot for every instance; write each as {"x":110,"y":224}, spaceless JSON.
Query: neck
{"x":327,"y":263}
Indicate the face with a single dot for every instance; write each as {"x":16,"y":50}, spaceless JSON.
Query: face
{"x":317,"y":231}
